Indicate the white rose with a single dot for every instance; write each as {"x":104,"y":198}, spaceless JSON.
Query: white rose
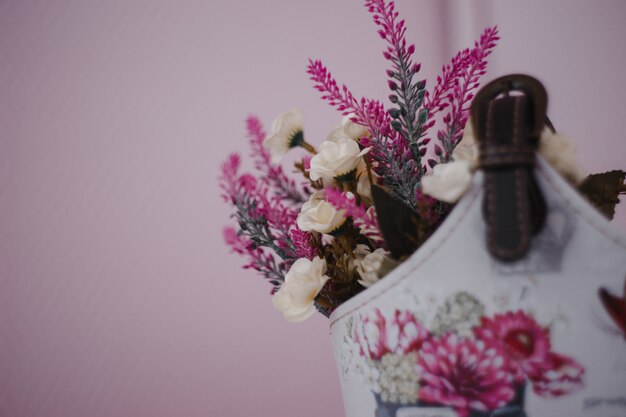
{"x":370,"y":265}
{"x":448,"y":182}
{"x":466,"y":149}
{"x":348,"y":130}
{"x":305,"y":279}
{"x":287,"y":133}
{"x":336,"y":159}
{"x":560,"y":153}
{"x":319,"y":216}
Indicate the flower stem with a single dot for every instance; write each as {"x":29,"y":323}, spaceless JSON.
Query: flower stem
{"x":306,"y":145}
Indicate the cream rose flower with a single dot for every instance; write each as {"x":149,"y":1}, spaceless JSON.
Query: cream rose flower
{"x":448,"y":182}
{"x":560,"y":153}
{"x":336,"y":160}
{"x":371,"y":266}
{"x":287,"y":132}
{"x":305,"y":279}
{"x":348,"y":129}
{"x":320,"y":216}
{"x":466,"y":149}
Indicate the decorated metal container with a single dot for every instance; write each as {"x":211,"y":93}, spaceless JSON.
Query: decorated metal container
{"x":455,"y":332}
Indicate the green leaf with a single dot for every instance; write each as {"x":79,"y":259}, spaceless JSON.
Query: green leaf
{"x":603,"y":190}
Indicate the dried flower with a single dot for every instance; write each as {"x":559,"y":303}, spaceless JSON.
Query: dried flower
{"x":302,"y":283}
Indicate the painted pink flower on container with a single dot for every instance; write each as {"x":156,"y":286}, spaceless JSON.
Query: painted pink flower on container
{"x":377,"y":335}
{"x":369,"y":334}
{"x":405,"y":334}
{"x":563,"y":376}
{"x":464,"y":374}
{"x":525,"y":343}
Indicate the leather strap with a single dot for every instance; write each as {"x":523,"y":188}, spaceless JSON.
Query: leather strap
{"x":508,"y":128}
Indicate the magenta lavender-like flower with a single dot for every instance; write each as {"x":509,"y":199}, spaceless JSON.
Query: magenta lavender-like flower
{"x":518,"y":336}
{"x":281,"y":221}
{"x":363,"y":218}
{"x":562,"y":376}
{"x":464,"y":374}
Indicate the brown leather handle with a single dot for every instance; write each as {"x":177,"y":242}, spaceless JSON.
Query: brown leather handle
{"x":508,"y":116}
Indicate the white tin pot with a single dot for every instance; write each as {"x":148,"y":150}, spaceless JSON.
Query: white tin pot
{"x":454,"y":332}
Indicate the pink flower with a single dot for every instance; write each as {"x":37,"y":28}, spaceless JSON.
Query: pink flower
{"x":563,"y":376}
{"x":405,"y":334}
{"x":525,"y":343}
{"x":369,"y":333}
{"x":378,"y":335}
{"x":464,"y":374}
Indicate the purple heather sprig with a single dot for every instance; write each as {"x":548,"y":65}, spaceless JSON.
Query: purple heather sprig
{"x":258,"y":259}
{"x":394,"y":164}
{"x":406,"y":94}
{"x":265,"y":223}
{"x":362,"y":217}
{"x":369,"y":113}
{"x":456,"y":86}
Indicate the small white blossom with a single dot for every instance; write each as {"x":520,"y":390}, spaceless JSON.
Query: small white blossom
{"x":319,"y":216}
{"x":287,"y":133}
{"x":336,"y":159}
{"x":305,"y":279}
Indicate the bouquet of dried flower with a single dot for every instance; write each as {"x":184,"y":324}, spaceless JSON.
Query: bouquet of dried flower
{"x":378,"y":186}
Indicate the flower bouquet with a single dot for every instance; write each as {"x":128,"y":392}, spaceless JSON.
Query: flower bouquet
{"x":391,"y":193}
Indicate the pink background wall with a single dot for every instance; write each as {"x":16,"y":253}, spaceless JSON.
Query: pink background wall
{"x":117,"y":296}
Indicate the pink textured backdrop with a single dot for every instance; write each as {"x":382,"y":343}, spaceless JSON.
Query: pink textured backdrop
{"x":117,"y":296}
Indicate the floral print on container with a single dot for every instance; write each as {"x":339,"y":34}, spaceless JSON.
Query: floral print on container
{"x":459,"y":362}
